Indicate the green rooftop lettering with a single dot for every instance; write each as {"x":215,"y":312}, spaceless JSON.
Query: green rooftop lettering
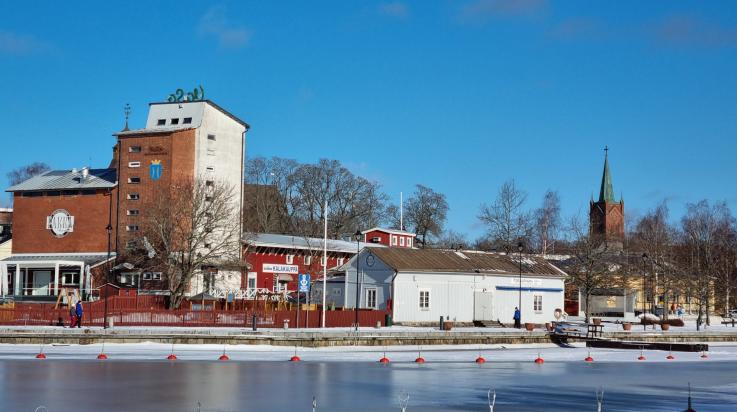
{"x":194,"y":95}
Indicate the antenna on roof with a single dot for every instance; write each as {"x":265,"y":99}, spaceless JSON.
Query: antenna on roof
{"x":127,"y":112}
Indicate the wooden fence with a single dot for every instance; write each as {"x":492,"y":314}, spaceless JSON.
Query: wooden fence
{"x":94,"y":315}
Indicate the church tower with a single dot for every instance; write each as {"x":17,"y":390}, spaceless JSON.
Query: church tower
{"x":606,"y":216}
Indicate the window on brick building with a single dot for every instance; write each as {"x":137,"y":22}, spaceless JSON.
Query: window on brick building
{"x":133,"y":196}
{"x":132,"y":228}
{"x":134,"y":180}
{"x":134,"y":149}
{"x":133,"y":212}
{"x":134,"y":164}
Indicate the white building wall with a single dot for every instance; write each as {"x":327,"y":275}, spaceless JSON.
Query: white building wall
{"x":452,"y":296}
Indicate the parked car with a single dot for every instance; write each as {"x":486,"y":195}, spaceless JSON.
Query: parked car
{"x":732,"y":313}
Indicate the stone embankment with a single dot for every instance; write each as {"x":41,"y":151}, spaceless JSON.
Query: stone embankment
{"x":343,"y":337}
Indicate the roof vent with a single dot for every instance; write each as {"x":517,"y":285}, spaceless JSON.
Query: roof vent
{"x":85,"y":172}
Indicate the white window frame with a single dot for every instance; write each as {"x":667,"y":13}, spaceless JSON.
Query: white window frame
{"x":537,"y":303}
{"x":132,"y":182}
{"x":290,"y":259}
{"x":134,"y":164}
{"x":146,"y":275}
{"x":252,"y":276}
{"x":394,"y":240}
{"x":133,"y":196}
{"x":134,"y":149}
{"x":156,"y":275}
{"x":133,"y":212}
{"x":341,"y":261}
{"x":210,"y":151}
{"x":409,"y":242}
{"x":308,"y":260}
{"x":376,"y":298}
{"x":401,"y":241}
{"x":131,"y":228}
{"x":426,"y":307}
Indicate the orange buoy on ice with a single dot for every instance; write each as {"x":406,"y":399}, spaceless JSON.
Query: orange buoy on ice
{"x":223,"y":357}
{"x":102,"y":356}
{"x":384,"y":360}
{"x":480,"y":360}
{"x":295,"y":358}
{"x":41,"y":356}
{"x":172,"y":357}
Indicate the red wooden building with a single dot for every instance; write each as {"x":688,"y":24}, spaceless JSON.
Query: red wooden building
{"x":389,"y":237}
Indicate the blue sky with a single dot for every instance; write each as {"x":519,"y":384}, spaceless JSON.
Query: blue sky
{"x":455,"y":95}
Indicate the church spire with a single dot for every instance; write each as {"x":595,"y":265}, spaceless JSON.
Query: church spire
{"x":607,"y":191}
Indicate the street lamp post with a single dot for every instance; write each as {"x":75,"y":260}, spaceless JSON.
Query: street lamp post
{"x":520,"y":248}
{"x":644,"y":295}
{"x":358,"y":269}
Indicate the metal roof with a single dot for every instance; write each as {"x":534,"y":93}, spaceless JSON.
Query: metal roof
{"x":302,"y":242}
{"x":153,"y":130}
{"x":89,"y":259}
{"x":443,"y":261}
{"x":68,"y":180}
{"x":392,"y":231}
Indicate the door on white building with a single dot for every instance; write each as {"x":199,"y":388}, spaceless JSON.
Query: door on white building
{"x":483,"y":308}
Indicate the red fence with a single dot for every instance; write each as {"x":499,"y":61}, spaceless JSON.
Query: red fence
{"x":95,"y":315}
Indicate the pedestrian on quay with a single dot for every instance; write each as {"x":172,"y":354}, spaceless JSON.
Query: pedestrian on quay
{"x":79,"y":311}
{"x":517,"y":317}
{"x":72,"y":316}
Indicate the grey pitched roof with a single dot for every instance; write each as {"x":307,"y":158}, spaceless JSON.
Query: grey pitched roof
{"x":89,"y":259}
{"x":300,"y":242}
{"x":441,"y":260}
{"x":68,"y":180}
{"x":153,"y":130}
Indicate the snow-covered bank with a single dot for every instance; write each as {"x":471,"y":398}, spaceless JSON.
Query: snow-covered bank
{"x":439,"y":353}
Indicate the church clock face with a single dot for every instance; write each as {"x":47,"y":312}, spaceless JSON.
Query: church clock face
{"x":370,"y":260}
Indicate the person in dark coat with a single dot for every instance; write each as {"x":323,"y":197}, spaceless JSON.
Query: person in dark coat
{"x":517,"y":317}
{"x":79,"y":311}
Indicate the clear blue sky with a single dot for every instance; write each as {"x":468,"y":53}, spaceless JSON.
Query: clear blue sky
{"x":455,"y":95}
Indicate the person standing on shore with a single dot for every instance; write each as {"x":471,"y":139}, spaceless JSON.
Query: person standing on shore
{"x":72,"y":316}
{"x":79,"y":311}
{"x":517,"y":316}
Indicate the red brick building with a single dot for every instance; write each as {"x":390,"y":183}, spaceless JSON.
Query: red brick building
{"x":64,"y":224}
{"x":606,"y":216}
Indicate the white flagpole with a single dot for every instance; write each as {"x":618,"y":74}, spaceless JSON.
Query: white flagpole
{"x":401,"y":212}
{"x":325,"y":266}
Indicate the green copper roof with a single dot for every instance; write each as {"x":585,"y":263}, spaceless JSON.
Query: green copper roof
{"x":607,"y":191}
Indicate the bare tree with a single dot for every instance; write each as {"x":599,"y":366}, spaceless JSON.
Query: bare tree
{"x":425,"y":214}
{"x":268,"y":194}
{"x":451,"y":239}
{"x":702,"y":226}
{"x":189,"y":227}
{"x":654,"y":236}
{"x":24,"y":173}
{"x":547,"y":221}
{"x":588,"y":269}
{"x":505,"y":218}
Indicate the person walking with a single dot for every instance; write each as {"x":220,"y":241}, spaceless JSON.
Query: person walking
{"x":517,"y":317}
{"x":72,"y":316}
{"x":79,"y":311}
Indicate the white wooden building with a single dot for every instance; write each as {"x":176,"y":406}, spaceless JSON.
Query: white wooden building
{"x":420,"y":285}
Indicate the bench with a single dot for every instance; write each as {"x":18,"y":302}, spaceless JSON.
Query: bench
{"x":728,"y":321}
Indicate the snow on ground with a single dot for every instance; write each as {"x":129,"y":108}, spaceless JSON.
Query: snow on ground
{"x":435,"y":353}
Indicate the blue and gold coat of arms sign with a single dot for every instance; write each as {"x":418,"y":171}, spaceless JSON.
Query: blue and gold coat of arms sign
{"x":155,"y":169}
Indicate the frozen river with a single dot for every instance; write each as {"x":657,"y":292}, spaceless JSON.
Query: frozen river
{"x":158,"y":385}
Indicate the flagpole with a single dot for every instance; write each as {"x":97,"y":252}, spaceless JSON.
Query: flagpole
{"x":325,"y":265}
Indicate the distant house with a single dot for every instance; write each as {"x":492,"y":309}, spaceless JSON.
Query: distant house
{"x":389,"y":237}
{"x":420,"y":285}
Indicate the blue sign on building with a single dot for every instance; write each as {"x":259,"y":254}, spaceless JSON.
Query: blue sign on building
{"x":155,"y":169}
{"x":304,"y":282}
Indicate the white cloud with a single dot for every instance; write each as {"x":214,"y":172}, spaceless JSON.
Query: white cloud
{"x":12,"y":43}
{"x":215,"y":23}
{"x":395,"y":9}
